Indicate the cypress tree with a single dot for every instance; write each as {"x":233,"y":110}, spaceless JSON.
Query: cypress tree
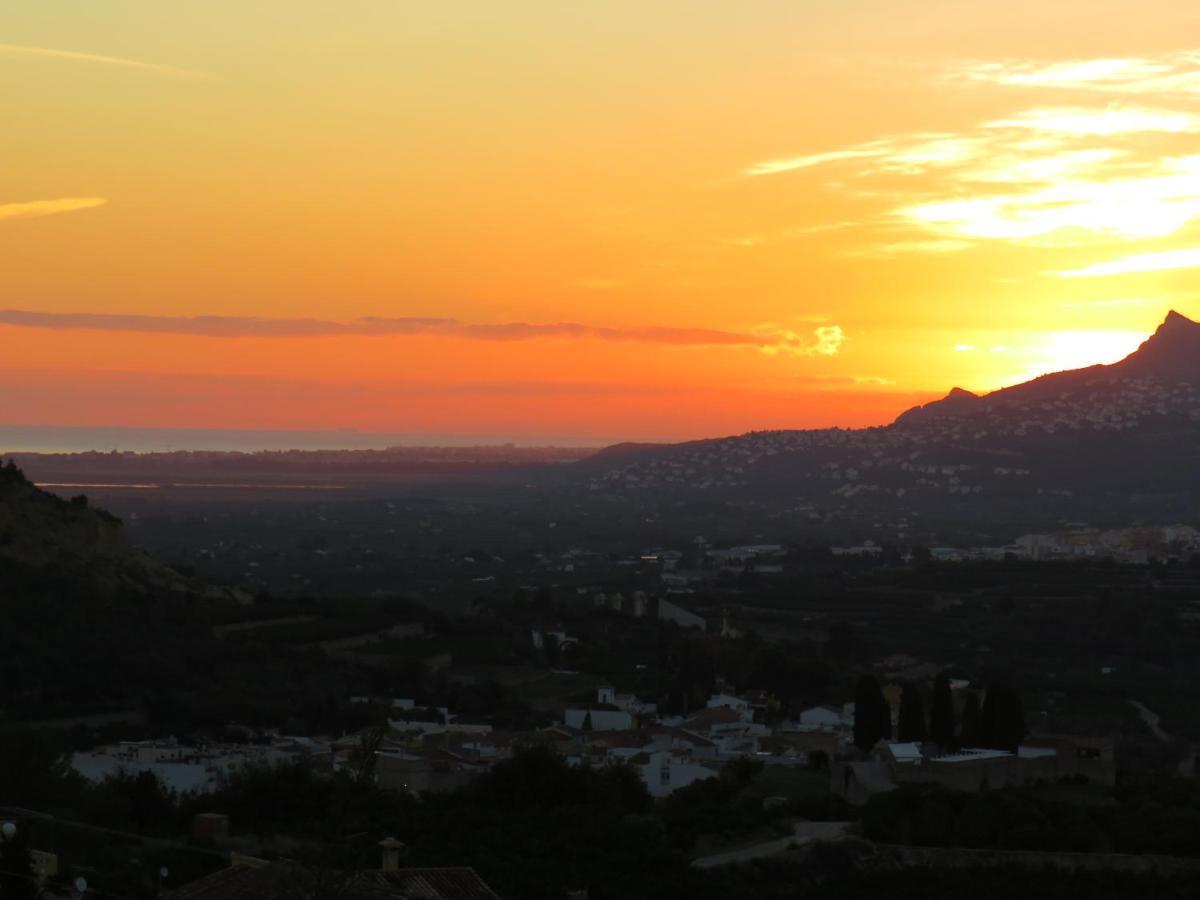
{"x":1010,"y":721}
{"x":885,"y":718}
{"x":1002,"y":721}
{"x":941,"y":713}
{"x":911,"y":724}
{"x":971,"y":735}
{"x":872,"y":718}
{"x":987,"y":717}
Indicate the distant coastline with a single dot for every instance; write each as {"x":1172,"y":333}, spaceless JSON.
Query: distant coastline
{"x":82,"y":439}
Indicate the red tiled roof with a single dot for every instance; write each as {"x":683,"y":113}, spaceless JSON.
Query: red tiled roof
{"x":280,"y":882}
{"x":720,"y":715}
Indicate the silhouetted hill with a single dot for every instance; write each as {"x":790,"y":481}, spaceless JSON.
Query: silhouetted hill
{"x":1169,"y":356}
{"x":68,"y":541}
{"x":629,"y":448}
{"x":1115,"y":444}
{"x":958,"y":400}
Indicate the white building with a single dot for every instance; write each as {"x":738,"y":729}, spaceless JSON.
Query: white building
{"x":599,"y":719}
{"x":667,"y":771}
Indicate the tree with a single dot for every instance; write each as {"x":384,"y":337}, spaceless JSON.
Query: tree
{"x":941,"y":713}
{"x":17,"y":876}
{"x":872,"y":717}
{"x":1009,"y":726}
{"x":1002,"y":719}
{"x":911,"y":724}
{"x":971,"y":734}
{"x":365,"y":757}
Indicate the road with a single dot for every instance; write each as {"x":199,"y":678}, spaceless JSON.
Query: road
{"x":1187,"y":766}
{"x":802,"y":833}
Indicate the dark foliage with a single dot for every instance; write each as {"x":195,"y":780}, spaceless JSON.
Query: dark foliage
{"x":941,"y":713}
{"x":872,"y":716}
{"x":971,"y":734}
{"x":911,"y":723}
{"x":1002,"y":719}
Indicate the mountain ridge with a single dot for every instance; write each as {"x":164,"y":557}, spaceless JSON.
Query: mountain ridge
{"x":1173,"y":350}
{"x":1115,"y":443}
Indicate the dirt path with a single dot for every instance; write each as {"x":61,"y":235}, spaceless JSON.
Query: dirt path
{"x":1151,"y":719}
{"x":802,"y":833}
{"x":1187,"y":765}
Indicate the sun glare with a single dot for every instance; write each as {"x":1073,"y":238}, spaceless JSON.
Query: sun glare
{"x":1077,"y":349}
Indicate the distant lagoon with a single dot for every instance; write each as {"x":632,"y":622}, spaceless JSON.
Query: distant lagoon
{"x":76,"y":439}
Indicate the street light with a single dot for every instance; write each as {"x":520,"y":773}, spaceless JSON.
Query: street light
{"x":8,"y":830}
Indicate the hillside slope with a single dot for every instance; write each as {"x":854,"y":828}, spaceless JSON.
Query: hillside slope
{"x":42,"y":533}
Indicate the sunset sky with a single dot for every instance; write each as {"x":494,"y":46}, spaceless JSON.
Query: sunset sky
{"x":586,"y":221}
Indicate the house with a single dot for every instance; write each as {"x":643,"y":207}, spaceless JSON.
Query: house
{"x":598,"y":719}
{"x":666,"y":771}
{"x":802,"y":745}
{"x":1048,"y":758}
{"x":730,"y":701}
{"x":255,"y":879}
{"x":417,"y":773}
{"x":670,"y":612}
{"x":630,"y":703}
{"x":822,"y":718}
{"x":561,"y":639}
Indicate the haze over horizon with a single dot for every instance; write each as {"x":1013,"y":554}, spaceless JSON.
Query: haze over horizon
{"x":581,"y":225}
{"x":39,"y":438}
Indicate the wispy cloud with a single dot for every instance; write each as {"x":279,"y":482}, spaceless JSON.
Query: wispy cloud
{"x":1138,"y":262}
{"x":825,"y":340}
{"x":1156,"y":202}
{"x":1169,"y":73}
{"x":1082,"y":121}
{"x":34,"y":208}
{"x":1045,"y":175}
{"x":20,"y":51}
{"x":902,"y":154}
{"x":829,"y":340}
{"x":839,"y":382}
{"x":791,"y":164}
{"x":894,"y":248}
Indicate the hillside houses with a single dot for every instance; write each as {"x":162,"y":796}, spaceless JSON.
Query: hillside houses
{"x":1045,"y":759}
{"x":184,"y":767}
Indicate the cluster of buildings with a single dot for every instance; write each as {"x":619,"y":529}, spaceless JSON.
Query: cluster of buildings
{"x":1046,"y":758}
{"x":195,"y":768}
{"x":430,"y":749}
{"x":1137,"y":545}
{"x":670,"y":752}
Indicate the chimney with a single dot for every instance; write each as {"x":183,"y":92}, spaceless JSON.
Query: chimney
{"x":393,"y":851}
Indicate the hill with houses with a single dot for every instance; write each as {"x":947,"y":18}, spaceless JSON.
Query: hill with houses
{"x":1109,"y":445}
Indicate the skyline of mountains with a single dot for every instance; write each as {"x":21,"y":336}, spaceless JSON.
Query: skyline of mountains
{"x":1110,"y":444}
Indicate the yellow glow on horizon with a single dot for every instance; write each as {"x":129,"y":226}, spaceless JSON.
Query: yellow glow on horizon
{"x":1079,"y":349}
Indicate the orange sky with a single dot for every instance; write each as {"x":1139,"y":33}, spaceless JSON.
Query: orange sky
{"x":590,"y":221}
